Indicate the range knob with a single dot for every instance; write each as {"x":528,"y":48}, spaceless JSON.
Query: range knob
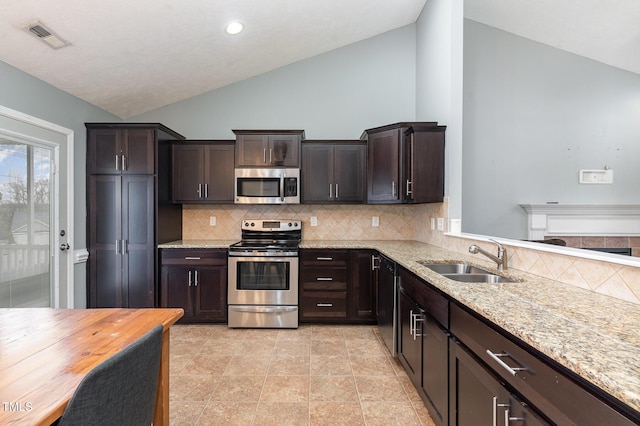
{"x":246,"y":224}
{"x":290,"y":224}
{"x":253,"y":224}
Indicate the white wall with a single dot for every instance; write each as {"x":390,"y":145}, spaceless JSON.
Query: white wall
{"x":534,"y":116}
{"x":336,"y":95}
{"x":24,"y":93}
{"x":439,"y":84}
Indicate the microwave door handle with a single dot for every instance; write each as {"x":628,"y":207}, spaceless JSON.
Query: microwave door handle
{"x":282,"y":187}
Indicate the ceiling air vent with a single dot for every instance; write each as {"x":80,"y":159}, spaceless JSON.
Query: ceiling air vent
{"x":45,"y":35}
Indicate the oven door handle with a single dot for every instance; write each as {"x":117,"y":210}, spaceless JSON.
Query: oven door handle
{"x":282,"y":187}
{"x":263,"y":309}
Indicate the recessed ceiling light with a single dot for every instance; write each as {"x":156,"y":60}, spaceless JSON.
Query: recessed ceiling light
{"x":234,"y":28}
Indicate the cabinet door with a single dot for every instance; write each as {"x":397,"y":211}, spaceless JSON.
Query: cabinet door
{"x":435,"y":368}
{"x":176,"y":289}
{"x":361,"y":286}
{"x":251,"y":150}
{"x":349,"y":173}
{"x":104,"y":151}
{"x":138,"y":151}
{"x":284,"y":151}
{"x":383,"y":167}
{"x":218,"y":176}
{"x":409,"y":342}
{"x":210,"y":289}
{"x":138,"y":244}
{"x":477,"y":397}
{"x":188,"y":173}
{"x":105,"y":236}
{"x":317,"y":173}
{"x":424,"y":166}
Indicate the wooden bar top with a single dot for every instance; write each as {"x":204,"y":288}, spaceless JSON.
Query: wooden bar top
{"x":45,"y":353}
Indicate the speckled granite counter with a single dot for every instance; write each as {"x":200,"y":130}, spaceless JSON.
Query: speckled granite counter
{"x":595,"y":336}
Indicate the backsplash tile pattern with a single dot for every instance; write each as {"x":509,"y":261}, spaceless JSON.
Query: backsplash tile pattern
{"x":411,"y":222}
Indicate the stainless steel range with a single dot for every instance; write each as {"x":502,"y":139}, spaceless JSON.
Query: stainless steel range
{"x":263,"y":275}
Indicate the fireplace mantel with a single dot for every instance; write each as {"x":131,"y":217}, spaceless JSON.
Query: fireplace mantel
{"x":582,"y":220}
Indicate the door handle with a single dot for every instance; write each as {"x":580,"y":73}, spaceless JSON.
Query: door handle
{"x":64,"y":247}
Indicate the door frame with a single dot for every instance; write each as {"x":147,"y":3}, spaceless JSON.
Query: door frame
{"x":66,"y":262}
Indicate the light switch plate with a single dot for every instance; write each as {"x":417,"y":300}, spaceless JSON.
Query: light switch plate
{"x":375,"y":221}
{"x":440,"y":224}
{"x":212,"y":220}
{"x":314,"y":221}
{"x":433,"y":223}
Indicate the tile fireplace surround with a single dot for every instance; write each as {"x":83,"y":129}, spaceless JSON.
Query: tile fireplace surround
{"x":412,"y":222}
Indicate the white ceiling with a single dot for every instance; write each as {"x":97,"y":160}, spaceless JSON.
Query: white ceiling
{"x":133,"y":56}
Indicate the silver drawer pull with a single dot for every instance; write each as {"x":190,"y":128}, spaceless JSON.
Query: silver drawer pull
{"x":192,"y":258}
{"x":324,"y":258}
{"x":324,"y":279}
{"x":496,"y":357}
{"x":324,"y":305}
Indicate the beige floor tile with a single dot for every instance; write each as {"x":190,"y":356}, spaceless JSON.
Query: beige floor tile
{"x":186,"y":347}
{"x":301,"y":333}
{"x":238,"y":388}
{"x":335,"y":414}
{"x":327,"y":332}
{"x":282,"y":414}
{"x":192,"y":387}
{"x":190,"y":332}
{"x":371,"y":366}
{"x":333,"y":388}
{"x":330,"y":365}
{"x":359,"y":332}
{"x":218,"y":346}
{"x":328,"y":347}
{"x":423,"y":413}
{"x":207,"y":364}
{"x":289,"y":365}
{"x":248,"y":365}
{"x":228,"y":413}
{"x":285,"y":389}
{"x":380,"y":388}
{"x":365,"y":347}
{"x":257,"y":347}
{"x":389,"y":413}
{"x":185,"y":412}
{"x":292,"y":347}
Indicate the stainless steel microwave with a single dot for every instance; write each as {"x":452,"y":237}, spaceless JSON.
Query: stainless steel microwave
{"x":267,"y":186}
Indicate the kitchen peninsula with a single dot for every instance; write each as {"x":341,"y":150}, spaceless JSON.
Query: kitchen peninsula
{"x":592,"y":336}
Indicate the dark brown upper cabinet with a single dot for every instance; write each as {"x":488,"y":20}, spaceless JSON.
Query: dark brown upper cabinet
{"x":405,"y":163}
{"x":268,"y":148}
{"x":121,"y":151}
{"x":202,"y":171}
{"x":333,"y":171}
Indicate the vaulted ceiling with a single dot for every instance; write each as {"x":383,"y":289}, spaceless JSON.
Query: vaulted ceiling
{"x":130,"y":57}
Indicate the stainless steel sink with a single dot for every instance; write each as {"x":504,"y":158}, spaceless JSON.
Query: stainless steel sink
{"x":454,"y":268}
{"x":465,"y":272}
{"x":478,"y":278}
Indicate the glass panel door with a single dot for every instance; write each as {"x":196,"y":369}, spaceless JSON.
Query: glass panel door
{"x":25,"y":220}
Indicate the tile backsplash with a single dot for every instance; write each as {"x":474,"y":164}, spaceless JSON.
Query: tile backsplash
{"x":409,"y":222}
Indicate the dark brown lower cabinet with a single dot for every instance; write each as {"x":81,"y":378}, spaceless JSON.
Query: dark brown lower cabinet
{"x":336,"y":286}
{"x":479,"y":398}
{"x":121,"y":241}
{"x":195,"y":280}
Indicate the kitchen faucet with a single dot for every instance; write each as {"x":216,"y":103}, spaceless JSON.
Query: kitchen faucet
{"x":500,"y":259}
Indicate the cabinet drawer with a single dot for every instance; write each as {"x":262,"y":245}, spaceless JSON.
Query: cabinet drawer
{"x":429,"y":299}
{"x":317,"y":278}
{"x":323,"y":257}
{"x":546,"y":386}
{"x":193,"y":256}
{"x":324,"y":304}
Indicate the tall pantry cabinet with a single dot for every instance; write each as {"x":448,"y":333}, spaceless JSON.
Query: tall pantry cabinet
{"x":129,"y":211}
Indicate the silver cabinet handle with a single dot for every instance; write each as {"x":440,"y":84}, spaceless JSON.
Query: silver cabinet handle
{"x":192,"y":258}
{"x":270,"y":156}
{"x":324,"y":305}
{"x":117,"y":247}
{"x":497,"y":358}
{"x":416,"y":318}
{"x":124,"y":162}
{"x":189,"y":278}
{"x":330,"y":191}
{"x":117,"y":163}
{"x":199,"y":190}
{"x":196,"y":280}
{"x":262,"y":309}
{"x":125,"y":246}
{"x":206,"y":190}
{"x":264,"y":155}
{"x":409,"y":188}
{"x":324,"y":258}
{"x":324,"y":279}
{"x":375,"y":258}
{"x":393,"y":188}
{"x":337,"y":191}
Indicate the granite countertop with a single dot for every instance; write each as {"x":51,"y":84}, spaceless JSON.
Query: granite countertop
{"x":593,"y":335}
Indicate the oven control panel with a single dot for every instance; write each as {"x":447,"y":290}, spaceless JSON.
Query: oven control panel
{"x":271,"y":225}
